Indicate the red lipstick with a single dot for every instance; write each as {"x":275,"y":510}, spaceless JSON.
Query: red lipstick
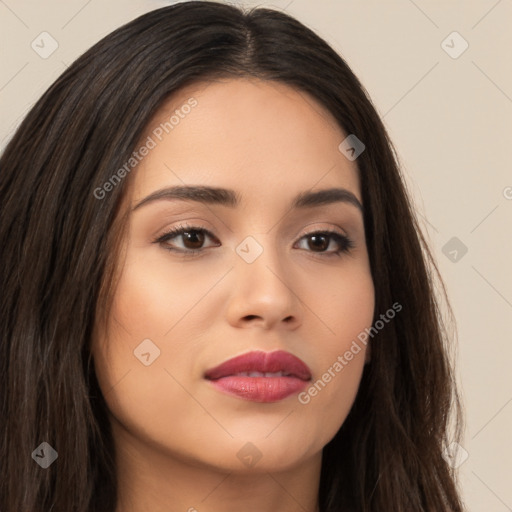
{"x":260,"y":376}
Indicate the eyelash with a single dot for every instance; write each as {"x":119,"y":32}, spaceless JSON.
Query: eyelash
{"x":345,"y":243}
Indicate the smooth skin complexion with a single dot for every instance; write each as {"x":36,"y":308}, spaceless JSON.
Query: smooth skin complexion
{"x":176,"y":435}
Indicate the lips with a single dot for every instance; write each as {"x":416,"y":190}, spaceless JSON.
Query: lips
{"x":260,"y":363}
{"x":260,"y":376}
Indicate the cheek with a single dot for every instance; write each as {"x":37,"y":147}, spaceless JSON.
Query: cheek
{"x":345,"y":313}
{"x":139,"y":374}
{"x":131,"y":357}
{"x":150,"y":299}
{"x":344,"y":305}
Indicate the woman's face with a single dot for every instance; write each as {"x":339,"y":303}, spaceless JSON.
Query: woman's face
{"x":260,"y":280}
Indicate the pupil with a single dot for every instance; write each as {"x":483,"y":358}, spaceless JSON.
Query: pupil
{"x":191,"y":237}
{"x":317,"y":238}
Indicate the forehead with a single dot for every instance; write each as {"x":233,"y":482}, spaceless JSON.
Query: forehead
{"x":251,"y":135}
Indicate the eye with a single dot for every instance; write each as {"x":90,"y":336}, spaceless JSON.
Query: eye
{"x":320,"y":241}
{"x":192,"y":238}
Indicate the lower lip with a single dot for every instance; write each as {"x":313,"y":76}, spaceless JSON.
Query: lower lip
{"x":260,"y":389}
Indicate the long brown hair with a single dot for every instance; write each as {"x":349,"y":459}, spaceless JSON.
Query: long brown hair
{"x":59,"y":243}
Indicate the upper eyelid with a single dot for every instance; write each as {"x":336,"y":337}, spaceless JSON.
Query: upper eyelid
{"x":178,"y":230}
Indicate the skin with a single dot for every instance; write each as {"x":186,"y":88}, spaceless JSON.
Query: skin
{"x":176,"y":436}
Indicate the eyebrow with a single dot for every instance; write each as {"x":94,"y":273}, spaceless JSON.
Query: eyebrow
{"x":227,"y":197}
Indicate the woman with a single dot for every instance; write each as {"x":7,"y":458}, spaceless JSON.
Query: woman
{"x":215,"y":292}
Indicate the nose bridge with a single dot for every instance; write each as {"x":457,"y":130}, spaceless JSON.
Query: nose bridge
{"x":256,"y":255}
{"x":262,"y":286}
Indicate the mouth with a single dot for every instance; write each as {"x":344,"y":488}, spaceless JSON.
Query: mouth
{"x":260,"y":376}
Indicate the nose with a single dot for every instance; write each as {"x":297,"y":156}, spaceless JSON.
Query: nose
{"x":263,"y":294}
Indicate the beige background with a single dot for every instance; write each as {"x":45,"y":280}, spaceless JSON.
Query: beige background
{"x":451,"y":121}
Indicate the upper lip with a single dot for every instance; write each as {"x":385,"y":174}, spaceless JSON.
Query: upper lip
{"x":260,"y":361}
